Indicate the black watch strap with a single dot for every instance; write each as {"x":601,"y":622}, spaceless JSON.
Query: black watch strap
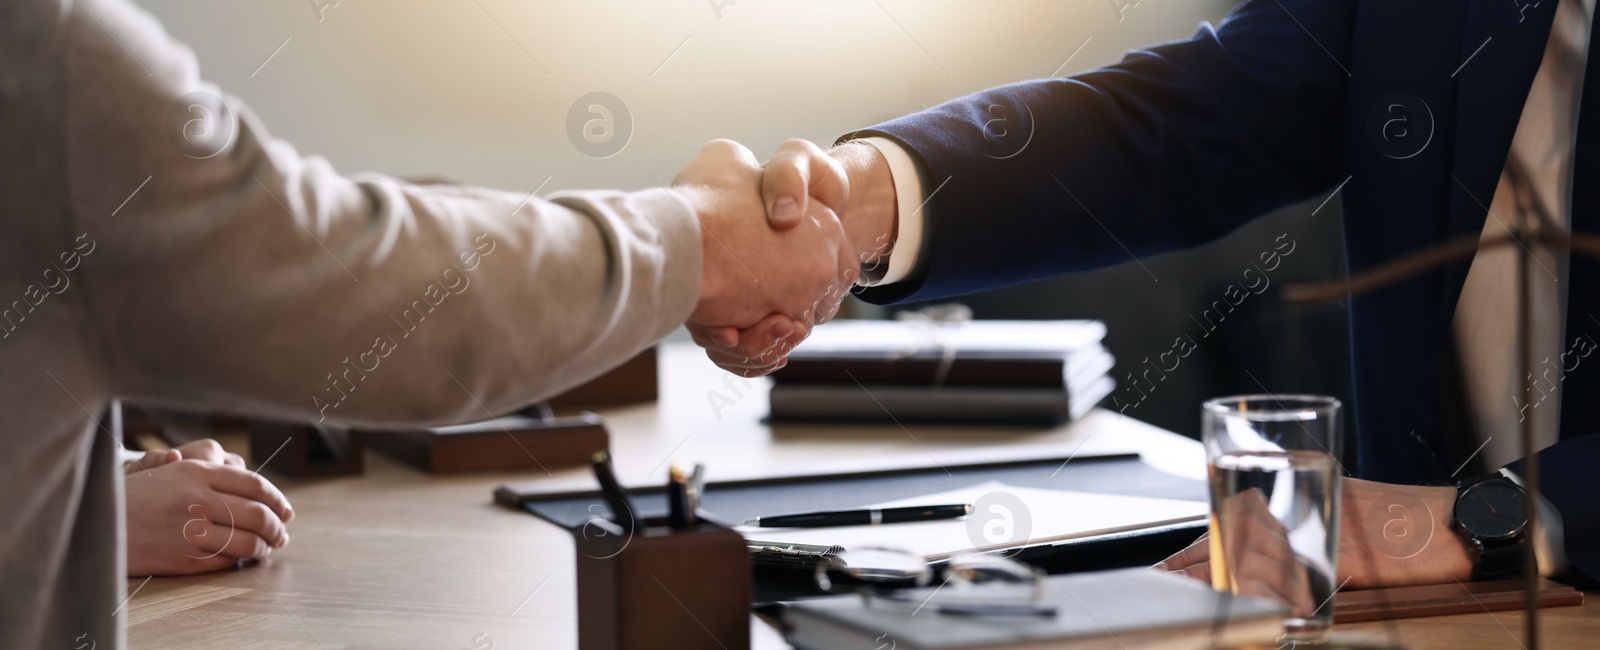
{"x":1499,"y":559}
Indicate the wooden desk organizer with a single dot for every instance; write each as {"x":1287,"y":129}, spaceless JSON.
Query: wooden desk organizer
{"x":662,"y":587}
{"x":305,"y":450}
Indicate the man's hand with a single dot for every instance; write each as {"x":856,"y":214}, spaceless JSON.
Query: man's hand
{"x":1260,"y":559}
{"x":796,"y":174}
{"x":1389,"y":536}
{"x":763,"y":288}
{"x":202,"y":449}
{"x":191,"y":516}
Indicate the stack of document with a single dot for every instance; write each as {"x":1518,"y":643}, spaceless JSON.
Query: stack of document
{"x":1130,"y":609}
{"x":1002,"y":372}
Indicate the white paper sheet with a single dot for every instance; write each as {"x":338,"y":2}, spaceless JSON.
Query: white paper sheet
{"x":861,"y":336}
{"x":1008,"y":516}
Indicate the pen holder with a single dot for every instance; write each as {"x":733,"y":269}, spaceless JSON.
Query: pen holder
{"x":662,"y":587}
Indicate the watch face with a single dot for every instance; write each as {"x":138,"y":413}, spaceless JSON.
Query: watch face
{"x":1492,"y":509}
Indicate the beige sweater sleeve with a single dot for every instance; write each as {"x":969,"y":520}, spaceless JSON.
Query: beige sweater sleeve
{"x":232,"y":271}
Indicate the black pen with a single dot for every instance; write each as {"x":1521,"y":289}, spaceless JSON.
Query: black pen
{"x":616,"y":496}
{"x":678,"y":514}
{"x":865,"y":517}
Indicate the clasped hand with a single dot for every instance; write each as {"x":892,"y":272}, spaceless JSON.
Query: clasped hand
{"x":196,"y":508}
{"x":778,"y":257}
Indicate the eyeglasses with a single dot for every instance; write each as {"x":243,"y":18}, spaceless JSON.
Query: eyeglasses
{"x":972,"y":584}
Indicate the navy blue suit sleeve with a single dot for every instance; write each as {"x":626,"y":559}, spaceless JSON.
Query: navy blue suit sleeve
{"x":1569,"y":480}
{"x":1174,"y":146}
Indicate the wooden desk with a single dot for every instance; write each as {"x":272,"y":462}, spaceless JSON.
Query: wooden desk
{"x":400,"y":559}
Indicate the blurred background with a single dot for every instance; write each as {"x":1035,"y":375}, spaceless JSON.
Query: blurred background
{"x":483,"y":92}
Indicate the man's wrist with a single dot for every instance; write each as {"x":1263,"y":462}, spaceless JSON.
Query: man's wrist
{"x":1399,"y":535}
{"x":870,"y":214}
{"x":712,"y":277}
{"x":1457,"y":557}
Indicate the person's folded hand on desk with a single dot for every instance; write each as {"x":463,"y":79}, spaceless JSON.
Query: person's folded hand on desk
{"x":1389,"y":536}
{"x":202,"y":449}
{"x":1260,"y":551}
{"x":764,"y":286}
{"x":857,"y":197}
{"x":195,"y":509}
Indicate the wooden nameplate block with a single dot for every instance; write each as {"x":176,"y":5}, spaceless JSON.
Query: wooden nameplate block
{"x":508,"y":443}
{"x":1442,"y":600}
{"x":304,"y":450}
{"x":291,"y":449}
{"x":633,"y":382}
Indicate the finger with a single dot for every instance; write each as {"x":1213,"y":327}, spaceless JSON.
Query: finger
{"x":773,"y":331}
{"x":829,"y":183}
{"x":1288,"y":583}
{"x":255,"y":517}
{"x":237,"y":482}
{"x":1260,"y":554}
{"x":799,"y":171}
{"x":233,"y":459}
{"x":726,"y":359}
{"x":773,"y":358}
{"x":203,"y":449}
{"x":154,"y":459}
{"x":221,"y":539}
{"x":749,"y":369}
{"x":1199,"y":571}
{"x":1254,"y":581}
{"x":1196,"y":552}
{"x":709,"y":337}
{"x":1254,"y":551}
{"x":745,"y":366}
{"x":796,"y":337}
{"x":722,"y":147}
{"x":712,"y":154}
{"x":1251,"y":528}
{"x":1269,"y":590}
{"x":752,"y":373}
{"x":777,"y":354}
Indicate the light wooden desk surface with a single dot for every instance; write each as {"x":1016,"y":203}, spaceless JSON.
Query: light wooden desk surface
{"x":400,"y":559}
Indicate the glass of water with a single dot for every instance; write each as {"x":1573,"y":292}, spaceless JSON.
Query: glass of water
{"x":1274,"y":474}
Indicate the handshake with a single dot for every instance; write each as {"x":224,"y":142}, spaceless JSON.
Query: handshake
{"x":782,"y":243}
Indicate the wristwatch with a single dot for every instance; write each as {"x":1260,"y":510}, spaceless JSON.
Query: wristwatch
{"x":1491,"y":513}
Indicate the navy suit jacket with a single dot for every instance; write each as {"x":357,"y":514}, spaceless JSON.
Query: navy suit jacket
{"x":1411,"y":105}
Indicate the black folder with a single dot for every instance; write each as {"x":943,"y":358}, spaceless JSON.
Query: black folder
{"x":737,"y":501}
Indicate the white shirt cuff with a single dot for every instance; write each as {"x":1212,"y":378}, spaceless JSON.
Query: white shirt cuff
{"x":908,"y":223}
{"x":131,"y":456}
{"x":1549,"y":548}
